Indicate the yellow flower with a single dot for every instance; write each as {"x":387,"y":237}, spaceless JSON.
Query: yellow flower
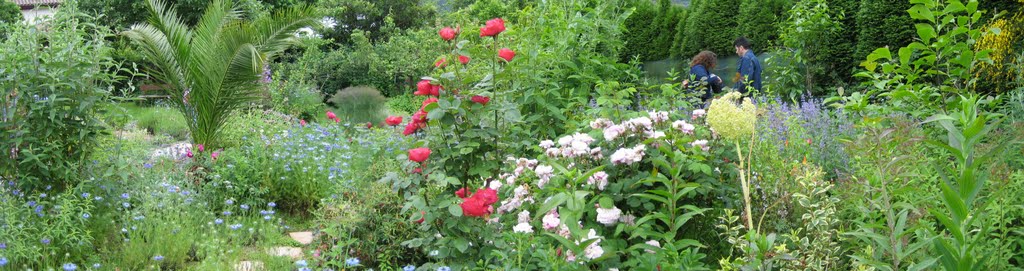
{"x":734,"y":123}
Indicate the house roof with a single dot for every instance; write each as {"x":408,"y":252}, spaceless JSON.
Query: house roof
{"x":33,"y":3}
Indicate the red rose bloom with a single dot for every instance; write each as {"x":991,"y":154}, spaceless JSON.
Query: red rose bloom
{"x":463,"y":59}
{"x":302,"y":122}
{"x":332,"y":116}
{"x":441,"y":63}
{"x":447,"y":33}
{"x":419,"y":154}
{"x":410,"y":128}
{"x":369,"y":125}
{"x":493,"y":28}
{"x":393,"y":120}
{"x":423,"y":88}
{"x":488,"y":195}
{"x":482,"y":100}
{"x":419,"y":117}
{"x":474,"y":207}
{"x":428,"y":101}
{"x":435,"y":90}
{"x":506,"y":54}
{"x":461,"y":193}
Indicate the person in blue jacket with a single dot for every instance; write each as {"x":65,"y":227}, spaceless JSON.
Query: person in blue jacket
{"x":749,"y":67}
{"x":700,"y":71}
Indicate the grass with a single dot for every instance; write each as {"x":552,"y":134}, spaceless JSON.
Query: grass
{"x":157,"y":120}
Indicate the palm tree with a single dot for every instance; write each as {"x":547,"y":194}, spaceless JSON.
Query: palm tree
{"x":214,"y":68}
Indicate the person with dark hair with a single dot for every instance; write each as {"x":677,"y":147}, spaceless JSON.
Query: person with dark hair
{"x":704,"y":81}
{"x":749,"y":68}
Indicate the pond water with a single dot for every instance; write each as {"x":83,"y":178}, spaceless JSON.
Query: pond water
{"x":657,"y":71}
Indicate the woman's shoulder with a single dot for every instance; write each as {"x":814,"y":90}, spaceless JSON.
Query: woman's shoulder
{"x":698,"y":67}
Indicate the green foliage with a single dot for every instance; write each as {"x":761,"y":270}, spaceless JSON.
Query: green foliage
{"x":663,"y":27}
{"x":43,"y":230}
{"x":711,"y":26}
{"x":963,"y":182}
{"x":640,"y":32}
{"x":930,"y":73}
{"x":295,"y":97}
{"x":679,"y":36}
{"x":371,"y":17}
{"x":10,"y":13}
{"x":51,"y":97}
{"x":887,"y":231}
{"x":359,"y":105}
{"x":403,"y":105}
{"x":214,"y":67}
{"x":121,"y":14}
{"x":882,"y":23}
{"x":757,"y":22}
{"x":367,"y":223}
{"x":811,"y":23}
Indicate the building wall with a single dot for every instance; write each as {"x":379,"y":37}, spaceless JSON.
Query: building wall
{"x":37,"y":14}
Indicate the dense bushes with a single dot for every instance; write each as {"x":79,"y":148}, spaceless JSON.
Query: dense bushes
{"x":358,"y":105}
{"x":711,"y":25}
{"x":51,"y":96}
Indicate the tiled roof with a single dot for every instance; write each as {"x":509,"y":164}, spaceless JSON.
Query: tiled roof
{"x":33,"y":3}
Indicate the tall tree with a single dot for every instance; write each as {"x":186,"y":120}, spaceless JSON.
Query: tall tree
{"x":370,"y":15}
{"x":883,"y":23}
{"x":640,"y":31}
{"x":214,"y":68}
{"x":678,"y":36}
{"x":757,"y":21}
{"x":711,"y":25}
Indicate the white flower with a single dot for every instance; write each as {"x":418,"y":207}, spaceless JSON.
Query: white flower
{"x":601,"y":123}
{"x":595,"y":154}
{"x":628,"y":156}
{"x":703,"y":144}
{"x":523,"y":228}
{"x":698,"y":113}
{"x":613,"y":132}
{"x":495,"y":184}
{"x":565,"y":141}
{"x":551,"y":220}
{"x":608,"y":217}
{"x":658,"y":116}
{"x":594,"y":250}
{"x":654,"y":243}
{"x":585,"y":138}
{"x":580,"y":148}
{"x":656,"y":134}
{"x":544,"y":173}
{"x":524,"y":216}
{"x":547,"y":144}
{"x":639,"y":124}
{"x":599,"y":179}
{"x":628,"y":219}
{"x":552,"y":152}
{"x":683,"y":126}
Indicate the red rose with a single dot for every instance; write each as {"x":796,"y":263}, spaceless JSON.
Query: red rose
{"x":331,"y":116}
{"x":506,"y":54}
{"x":419,"y":154}
{"x":423,"y":217}
{"x":417,"y":170}
{"x":423,"y":88}
{"x":441,"y":63}
{"x":447,"y":33}
{"x":419,"y":117}
{"x":488,"y":195}
{"x":369,"y":125}
{"x":461,"y":193}
{"x":411,"y":128}
{"x":428,"y":101}
{"x":302,"y":122}
{"x":435,"y":90}
{"x":463,"y":59}
{"x":482,"y":100}
{"x":393,"y":120}
{"x":493,"y":28}
{"x":474,"y":206}
{"x":189,"y":153}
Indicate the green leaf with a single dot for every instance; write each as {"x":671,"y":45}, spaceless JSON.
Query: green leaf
{"x":455,"y":210}
{"x":606,"y":202}
{"x":926,"y":32}
{"x":461,"y":244}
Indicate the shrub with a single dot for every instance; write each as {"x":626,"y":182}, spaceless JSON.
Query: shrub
{"x":882,"y":23}
{"x":295,"y":97}
{"x":359,"y":105}
{"x":403,"y":104}
{"x":51,"y":97}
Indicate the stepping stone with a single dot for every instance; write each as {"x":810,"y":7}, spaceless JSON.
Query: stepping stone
{"x":303,"y":237}
{"x":249,"y":266}
{"x":291,"y":252}
{"x":174,"y":151}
